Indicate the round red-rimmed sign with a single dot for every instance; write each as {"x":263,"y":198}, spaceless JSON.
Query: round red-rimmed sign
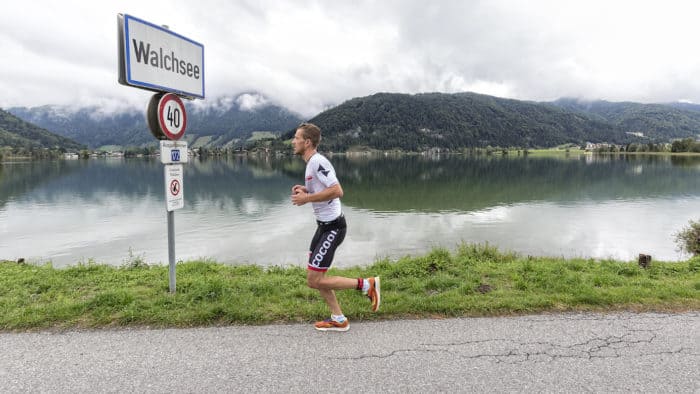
{"x":174,"y":187}
{"x":172,"y":117}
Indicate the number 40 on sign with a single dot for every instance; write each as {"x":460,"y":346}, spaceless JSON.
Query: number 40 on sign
{"x":167,"y":117}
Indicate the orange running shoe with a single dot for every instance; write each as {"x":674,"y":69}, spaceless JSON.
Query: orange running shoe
{"x":374,"y":293}
{"x":332,"y":325}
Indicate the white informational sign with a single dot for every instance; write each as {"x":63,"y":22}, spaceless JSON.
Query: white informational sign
{"x":155,"y":58}
{"x":173,"y":187}
{"x":173,"y":152}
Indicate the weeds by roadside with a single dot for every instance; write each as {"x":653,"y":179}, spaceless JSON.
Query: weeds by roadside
{"x":473,"y":280}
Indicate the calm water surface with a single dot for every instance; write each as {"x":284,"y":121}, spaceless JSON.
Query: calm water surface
{"x":237,"y":210}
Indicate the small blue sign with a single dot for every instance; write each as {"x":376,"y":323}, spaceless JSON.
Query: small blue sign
{"x":175,"y":155}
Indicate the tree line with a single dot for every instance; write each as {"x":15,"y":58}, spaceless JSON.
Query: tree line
{"x":455,"y":121}
{"x":685,"y":145}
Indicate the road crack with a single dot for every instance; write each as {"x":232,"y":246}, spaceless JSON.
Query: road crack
{"x":632,"y":343}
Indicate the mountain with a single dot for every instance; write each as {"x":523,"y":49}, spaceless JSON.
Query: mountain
{"x":88,"y":125}
{"x":17,"y":133}
{"x":685,"y":106}
{"x":230,"y":122}
{"x":391,"y":121}
{"x":224,"y":122}
{"x":660,"y":122}
{"x":422,"y":121}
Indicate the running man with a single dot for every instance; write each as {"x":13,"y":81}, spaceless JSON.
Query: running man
{"x":323,"y":191}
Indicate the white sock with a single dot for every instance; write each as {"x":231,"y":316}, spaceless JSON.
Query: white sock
{"x":365,"y":285}
{"x":338,"y":318}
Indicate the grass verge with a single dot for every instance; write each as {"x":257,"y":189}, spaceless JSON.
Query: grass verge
{"x":473,"y":280}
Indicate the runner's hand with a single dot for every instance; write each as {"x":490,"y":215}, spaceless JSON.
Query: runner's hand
{"x":299,"y":197}
{"x":299,"y":188}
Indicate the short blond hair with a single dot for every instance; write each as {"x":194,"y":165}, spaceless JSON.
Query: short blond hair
{"x":311,"y":132}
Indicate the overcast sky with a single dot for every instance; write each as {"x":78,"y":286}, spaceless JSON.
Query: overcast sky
{"x":309,"y":55}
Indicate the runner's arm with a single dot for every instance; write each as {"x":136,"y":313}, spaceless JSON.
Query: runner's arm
{"x":327,"y":194}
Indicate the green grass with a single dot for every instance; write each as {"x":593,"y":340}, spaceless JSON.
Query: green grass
{"x":440,"y":284}
{"x":110,"y":148}
{"x":202,"y":141}
{"x":556,"y":152}
{"x":259,"y":135}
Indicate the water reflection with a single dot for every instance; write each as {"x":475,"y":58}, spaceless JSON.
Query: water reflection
{"x":463,"y":184}
{"x":18,"y":179}
{"x":237,"y":209}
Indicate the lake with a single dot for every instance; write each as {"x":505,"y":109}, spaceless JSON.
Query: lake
{"x":237,"y":209}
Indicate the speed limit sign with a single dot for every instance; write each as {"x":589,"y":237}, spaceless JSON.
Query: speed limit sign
{"x":171,"y":116}
{"x":167,"y":118}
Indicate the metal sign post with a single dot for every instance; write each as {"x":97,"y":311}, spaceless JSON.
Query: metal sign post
{"x":171,"y":252}
{"x":171,"y":153}
{"x":152,"y":57}
{"x":174,"y":199}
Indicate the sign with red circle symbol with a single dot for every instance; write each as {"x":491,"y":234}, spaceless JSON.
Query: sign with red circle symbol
{"x":175,"y":187}
{"x":172,"y":117}
{"x":174,"y":193}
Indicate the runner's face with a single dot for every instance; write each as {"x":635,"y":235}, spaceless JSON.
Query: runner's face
{"x":299,"y":143}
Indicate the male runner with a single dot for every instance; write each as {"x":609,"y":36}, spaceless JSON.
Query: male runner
{"x":323,"y":191}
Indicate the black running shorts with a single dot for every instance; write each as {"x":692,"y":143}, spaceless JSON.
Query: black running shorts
{"x":328,"y":236}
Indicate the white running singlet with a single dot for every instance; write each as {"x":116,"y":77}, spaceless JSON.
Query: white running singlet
{"x":320,"y":175}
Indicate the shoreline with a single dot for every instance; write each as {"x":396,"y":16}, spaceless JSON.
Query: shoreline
{"x":466,"y":151}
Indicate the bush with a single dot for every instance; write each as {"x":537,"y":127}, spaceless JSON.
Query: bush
{"x":688,"y":239}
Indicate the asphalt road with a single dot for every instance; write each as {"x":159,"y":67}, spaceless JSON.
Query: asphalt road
{"x":620,"y":352}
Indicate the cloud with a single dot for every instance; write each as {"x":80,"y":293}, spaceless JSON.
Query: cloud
{"x":307,"y":55}
{"x":250,"y":102}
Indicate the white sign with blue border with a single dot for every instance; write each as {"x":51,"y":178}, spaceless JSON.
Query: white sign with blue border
{"x":173,"y":152}
{"x":155,"y":58}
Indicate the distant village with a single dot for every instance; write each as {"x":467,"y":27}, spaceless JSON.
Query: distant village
{"x":684,"y":145}
{"x":155,"y":152}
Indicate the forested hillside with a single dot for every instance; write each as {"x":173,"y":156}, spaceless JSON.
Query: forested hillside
{"x":454,"y":121}
{"x":16,"y":133}
{"x":216,"y":125}
{"x":387,"y":121}
{"x":231,"y":125}
{"x":657,"y":122}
